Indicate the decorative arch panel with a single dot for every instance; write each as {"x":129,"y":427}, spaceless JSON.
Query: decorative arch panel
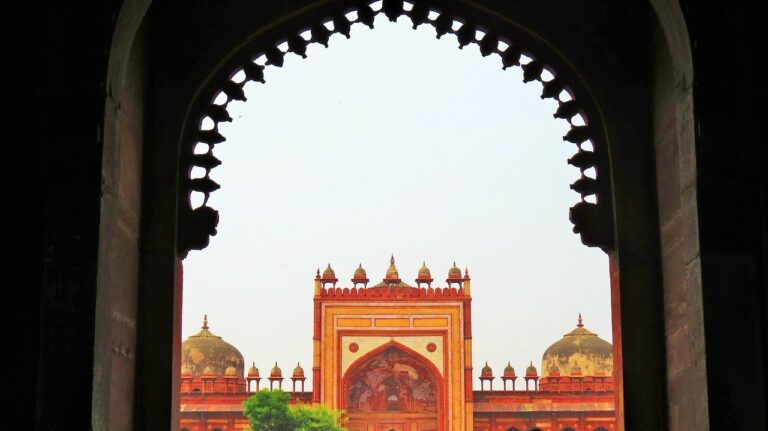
{"x":393,"y":386}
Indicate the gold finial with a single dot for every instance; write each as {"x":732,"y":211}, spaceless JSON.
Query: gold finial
{"x":317,"y":275}
{"x":392,"y":271}
{"x":580,"y":325}
{"x":466,"y":272}
{"x":205,"y":321}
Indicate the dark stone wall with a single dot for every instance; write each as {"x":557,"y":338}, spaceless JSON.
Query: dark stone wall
{"x":52,"y":121}
{"x":733,"y":186}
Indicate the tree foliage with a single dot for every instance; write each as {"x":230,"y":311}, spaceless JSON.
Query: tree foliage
{"x":319,"y":418}
{"x":269,"y":411}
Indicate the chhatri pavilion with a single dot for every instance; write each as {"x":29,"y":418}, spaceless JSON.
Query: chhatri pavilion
{"x":398,"y":357}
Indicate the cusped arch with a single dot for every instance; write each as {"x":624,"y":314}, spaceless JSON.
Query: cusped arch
{"x":495,"y":35}
{"x":393,"y":377}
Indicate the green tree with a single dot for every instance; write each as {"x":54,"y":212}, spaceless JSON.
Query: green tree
{"x":269,"y":411}
{"x":319,"y":418}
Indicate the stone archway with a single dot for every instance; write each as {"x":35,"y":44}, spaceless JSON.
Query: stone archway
{"x":637,"y":305}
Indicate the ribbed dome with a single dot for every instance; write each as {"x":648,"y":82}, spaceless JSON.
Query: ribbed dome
{"x":360,"y":273}
{"x":486,"y":371}
{"x":204,"y":350}
{"x":509,"y":371}
{"x":425,"y":276}
{"x":583,"y":348}
{"x":298,"y":372}
{"x":276,"y":372}
{"x":329,"y":273}
{"x":253,"y":372}
{"x":454,"y":273}
{"x":531,"y":371}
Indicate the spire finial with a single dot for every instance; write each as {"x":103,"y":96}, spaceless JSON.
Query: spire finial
{"x":466,"y":272}
{"x":317,"y":275}
{"x":392,"y":259}
{"x":205,"y":321}
{"x":580,"y":325}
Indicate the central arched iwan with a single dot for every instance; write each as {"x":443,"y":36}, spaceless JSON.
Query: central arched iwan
{"x":393,"y":384}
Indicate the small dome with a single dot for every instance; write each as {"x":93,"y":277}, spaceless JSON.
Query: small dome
{"x":509,"y":371}
{"x":580,"y":346}
{"x":185,"y":370}
{"x":210,"y":370}
{"x":360,"y":276}
{"x":207,"y":349}
{"x":329,"y":274}
{"x":298,"y":372}
{"x":454,"y":274}
{"x":276,"y":372}
{"x":486,"y":371}
{"x":531,"y":371}
{"x":253,"y":372}
{"x":425,"y":276}
{"x":553,"y":370}
{"x":576,"y":369}
{"x":230,"y":372}
{"x":360,"y":272}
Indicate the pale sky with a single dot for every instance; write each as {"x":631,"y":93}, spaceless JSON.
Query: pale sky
{"x":394,"y":142}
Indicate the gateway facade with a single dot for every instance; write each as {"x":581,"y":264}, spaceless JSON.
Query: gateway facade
{"x":398,"y":357}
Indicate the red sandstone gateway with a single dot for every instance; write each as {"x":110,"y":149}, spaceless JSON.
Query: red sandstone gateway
{"x":396,"y":357}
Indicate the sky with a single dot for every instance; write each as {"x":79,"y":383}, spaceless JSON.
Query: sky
{"x":394,"y":143}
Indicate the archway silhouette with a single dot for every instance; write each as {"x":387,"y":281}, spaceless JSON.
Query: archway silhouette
{"x":593,"y":221}
{"x":636,"y":226}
